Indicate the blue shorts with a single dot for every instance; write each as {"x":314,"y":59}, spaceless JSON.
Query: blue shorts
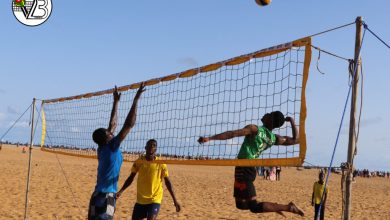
{"x":144,"y":211}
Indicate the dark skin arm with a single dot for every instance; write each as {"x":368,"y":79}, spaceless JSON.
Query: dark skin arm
{"x":127,"y":183}
{"x":114,"y":116}
{"x":248,"y":130}
{"x":287,"y":140}
{"x":251,"y":130}
{"x":312,"y":199}
{"x":130,"y":119}
{"x":170,"y":189}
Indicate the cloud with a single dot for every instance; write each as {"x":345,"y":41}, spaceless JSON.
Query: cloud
{"x":381,"y":140}
{"x":2,"y":116}
{"x":188,"y":61}
{"x":3,"y":119}
{"x":363,"y":123}
{"x":20,"y":124}
{"x":12,"y":110}
{"x":371,"y":121}
{"x":386,"y":157}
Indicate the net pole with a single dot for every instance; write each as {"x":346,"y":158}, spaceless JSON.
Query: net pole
{"x":352,"y":122}
{"x":29,"y":160}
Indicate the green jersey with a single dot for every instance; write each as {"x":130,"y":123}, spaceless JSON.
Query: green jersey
{"x":254,"y":146}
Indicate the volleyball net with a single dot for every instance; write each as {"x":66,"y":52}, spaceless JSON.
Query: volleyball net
{"x":177,"y":109}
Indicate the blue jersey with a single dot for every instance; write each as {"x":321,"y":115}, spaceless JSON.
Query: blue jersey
{"x":109,"y":165}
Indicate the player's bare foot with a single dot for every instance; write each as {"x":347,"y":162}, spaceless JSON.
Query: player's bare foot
{"x":294,"y":209}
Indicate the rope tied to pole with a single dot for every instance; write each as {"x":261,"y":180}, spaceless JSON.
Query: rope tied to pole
{"x":366,"y":28}
{"x":355,"y":65}
{"x":331,"y":54}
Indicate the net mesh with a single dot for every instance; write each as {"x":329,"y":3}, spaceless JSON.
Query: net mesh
{"x":177,"y":111}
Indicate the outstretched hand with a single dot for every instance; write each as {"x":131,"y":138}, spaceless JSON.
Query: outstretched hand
{"x":288,"y":118}
{"x":140,"y":90}
{"x":117,"y":96}
{"x":202,"y":140}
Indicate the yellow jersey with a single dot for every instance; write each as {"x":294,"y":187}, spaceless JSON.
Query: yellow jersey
{"x":318,"y":189}
{"x":149,"y":182}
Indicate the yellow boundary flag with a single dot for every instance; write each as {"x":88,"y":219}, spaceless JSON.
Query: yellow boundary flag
{"x":43,"y":118}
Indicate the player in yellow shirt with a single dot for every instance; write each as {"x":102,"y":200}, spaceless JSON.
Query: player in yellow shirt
{"x":149,"y":184}
{"x":316,"y":197}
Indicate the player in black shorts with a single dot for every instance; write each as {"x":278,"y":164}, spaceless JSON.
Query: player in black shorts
{"x":257,"y":139}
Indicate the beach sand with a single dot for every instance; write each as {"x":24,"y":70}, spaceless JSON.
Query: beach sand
{"x":62,"y":190}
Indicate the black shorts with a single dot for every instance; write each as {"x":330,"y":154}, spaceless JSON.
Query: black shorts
{"x":101,"y":206}
{"x":245,"y":174}
{"x":243,"y":182}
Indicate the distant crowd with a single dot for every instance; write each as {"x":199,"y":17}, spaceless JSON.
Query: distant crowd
{"x":368,"y":174}
{"x":270,"y":173}
{"x":17,"y":144}
{"x":24,"y":146}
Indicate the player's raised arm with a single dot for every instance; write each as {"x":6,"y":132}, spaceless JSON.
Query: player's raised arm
{"x":247,"y":130}
{"x":131,"y":117}
{"x":287,"y":140}
{"x":114,"y":112}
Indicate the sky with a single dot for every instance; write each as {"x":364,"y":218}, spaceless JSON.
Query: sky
{"x":86,"y":47}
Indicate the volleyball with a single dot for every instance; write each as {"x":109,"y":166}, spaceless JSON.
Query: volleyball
{"x":263,"y":2}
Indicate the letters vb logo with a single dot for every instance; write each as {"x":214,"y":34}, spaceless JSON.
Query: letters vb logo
{"x":31,"y":12}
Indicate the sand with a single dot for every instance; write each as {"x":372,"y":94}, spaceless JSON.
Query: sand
{"x":62,"y":190}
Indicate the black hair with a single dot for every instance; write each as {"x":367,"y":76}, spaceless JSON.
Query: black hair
{"x":277,"y":119}
{"x":151,"y":140}
{"x":322,"y":173}
{"x":99,"y":136}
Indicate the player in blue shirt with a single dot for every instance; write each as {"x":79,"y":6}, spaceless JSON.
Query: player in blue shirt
{"x":102,"y":203}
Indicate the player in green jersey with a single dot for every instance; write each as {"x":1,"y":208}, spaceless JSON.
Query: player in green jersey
{"x":257,"y":139}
